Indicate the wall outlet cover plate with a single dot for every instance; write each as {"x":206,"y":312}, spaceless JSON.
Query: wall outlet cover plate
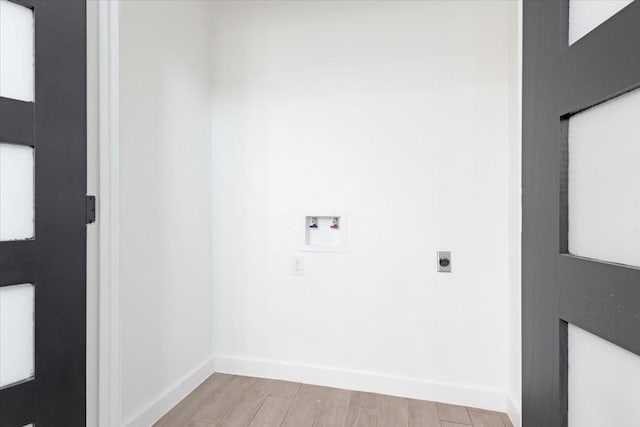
{"x":444,"y":261}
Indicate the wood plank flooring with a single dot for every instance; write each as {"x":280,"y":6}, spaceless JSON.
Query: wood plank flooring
{"x":236,"y":401}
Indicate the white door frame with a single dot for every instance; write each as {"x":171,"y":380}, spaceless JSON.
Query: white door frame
{"x":109,"y":391}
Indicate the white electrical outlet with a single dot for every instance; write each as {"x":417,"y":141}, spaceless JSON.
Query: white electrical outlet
{"x":297,"y":266}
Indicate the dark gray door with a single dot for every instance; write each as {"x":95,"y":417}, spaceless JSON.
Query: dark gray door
{"x":569,"y":279}
{"x":42,"y":212}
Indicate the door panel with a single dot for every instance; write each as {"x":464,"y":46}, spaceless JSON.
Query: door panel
{"x":560,"y":289}
{"x":42,"y":213}
{"x":16,"y":51}
{"x":16,"y":192}
{"x":601,"y":65}
{"x":16,"y":334}
{"x":603,"y":180}
{"x":586,"y":15}
{"x":594,"y":384}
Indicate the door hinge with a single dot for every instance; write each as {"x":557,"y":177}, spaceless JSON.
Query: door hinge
{"x":90,"y":203}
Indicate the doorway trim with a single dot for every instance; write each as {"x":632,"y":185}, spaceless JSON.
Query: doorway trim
{"x":109,"y":365}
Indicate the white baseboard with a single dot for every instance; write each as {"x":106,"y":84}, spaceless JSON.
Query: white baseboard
{"x":364,"y":381}
{"x":169,"y":398}
{"x":514,"y":413}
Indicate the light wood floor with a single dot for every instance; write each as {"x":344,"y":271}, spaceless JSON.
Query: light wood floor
{"x":231,"y":400}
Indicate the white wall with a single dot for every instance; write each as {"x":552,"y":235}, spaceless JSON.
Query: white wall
{"x":165,"y":199}
{"x":514,"y":404}
{"x":399,"y":113}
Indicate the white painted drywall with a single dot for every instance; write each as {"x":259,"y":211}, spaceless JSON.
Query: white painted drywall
{"x":165,"y":197}
{"x":514,"y":403}
{"x":398,"y":113}
{"x":604,"y":382}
